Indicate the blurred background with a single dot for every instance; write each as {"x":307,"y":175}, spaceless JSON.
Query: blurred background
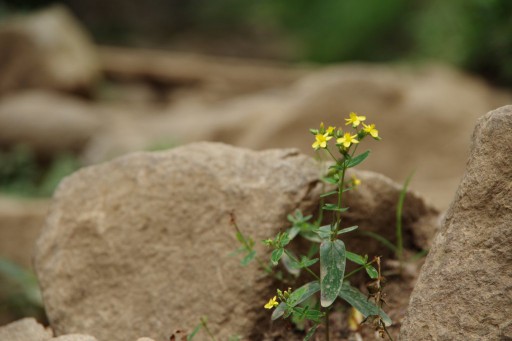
{"x":82,"y":82}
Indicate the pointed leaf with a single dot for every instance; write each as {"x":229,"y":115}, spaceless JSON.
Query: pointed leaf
{"x":358,"y":159}
{"x":348,"y":229}
{"x":290,"y":265}
{"x":328,"y":193}
{"x":334,"y":207}
{"x":372,"y":272}
{"x":279,"y":311}
{"x":194,"y":332}
{"x":303,"y":293}
{"x":276,"y":255}
{"x":332,"y":270}
{"x":324,"y":232}
{"x":359,"y":301}
{"x":293,"y":232}
{"x":330,"y":180}
{"x":311,"y":332}
{"x":354,"y":257}
{"x":248,"y":258}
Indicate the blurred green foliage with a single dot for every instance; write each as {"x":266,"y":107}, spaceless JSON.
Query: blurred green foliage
{"x":473,"y":34}
{"x":19,"y":292}
{"x":22,"y":174}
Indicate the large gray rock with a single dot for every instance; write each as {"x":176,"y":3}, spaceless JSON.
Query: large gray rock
{"x":141,"y":245}
{"x":464,"y":289}
{"x":47,"y":49}
{"x":47,"y":122}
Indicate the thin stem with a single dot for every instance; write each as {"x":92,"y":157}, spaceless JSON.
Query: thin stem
{"x":333,"y":157}
{"x":297,"y":261}
{"x":261,"y":264}
{"x":337,"y":223}
{"x":207,"y":330}
{"x":327,"y":324}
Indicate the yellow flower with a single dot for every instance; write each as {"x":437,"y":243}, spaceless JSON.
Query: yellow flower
{"x":355,"y":181}
{"x":354,"y":119}
{"x":272,"y":303}
{"x":347,"y":140}
{"x":330,"y":130}
{"x":370,"y":129}
{"x":321,"y":141}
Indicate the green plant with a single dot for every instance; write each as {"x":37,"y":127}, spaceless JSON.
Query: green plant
{"x":328,"y":249}
{"x":19,"y":291}
{"x":398,"y":248}
{"x":22,"y":174}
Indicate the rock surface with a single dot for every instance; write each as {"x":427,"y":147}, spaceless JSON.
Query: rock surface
{"x":464,"y":289}
{"x":26,"y":329}
{"x":141,"y":245}
{"x":48,"y":49}
{"x":46,"y":122}
{"x":74,"y":337}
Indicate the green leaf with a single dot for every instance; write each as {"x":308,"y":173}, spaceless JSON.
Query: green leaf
{"x":330,"y":180}
{"x":372,"y":272}
{"x":359,"y":301}
{"x":337,"y":166}
{"x":293,"y":232}
{"x":279,"y":311}
{"x":324,"y":232}
{"x":332,"y":270}
{"x":303,"y":293}
{"x":306,"y":262}
{"x":311,"y":332}
{"x":334,"y":207}
{"x":347,"y":229}
{"x":194,"y":332}
{"x":328,"y":193}
{"x":290,"y":265}
{"x":354,"y":257}
{"x":240,"y":237}
{"x":248,"y":258}
{"x":276,"y":255}
{"x":308,"y":314}
{"x":358,"y":159}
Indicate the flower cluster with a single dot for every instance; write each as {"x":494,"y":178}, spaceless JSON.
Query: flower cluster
{"x":283,"y":296}
{"x":344,"y":139}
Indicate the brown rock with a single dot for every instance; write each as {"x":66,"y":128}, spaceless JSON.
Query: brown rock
{"x":74,"y":337}
{"x":141,"y":245}
{"x":21,"y":220}
{"x":221,"y":77}
{"x":46,"y":122}
{"x":463,"y":291}
{"x":47,"y":49}
{"x":26,"y":329}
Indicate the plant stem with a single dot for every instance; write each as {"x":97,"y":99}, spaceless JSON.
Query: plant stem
{"x":337,"y":223}
{"x":262,"y":264}
{"x":297,"y":261}
{"x":207,"y":330}
{"x":327,"y":325}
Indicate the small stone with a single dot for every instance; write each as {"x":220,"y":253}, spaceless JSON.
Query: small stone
{"x":27,"y":329}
